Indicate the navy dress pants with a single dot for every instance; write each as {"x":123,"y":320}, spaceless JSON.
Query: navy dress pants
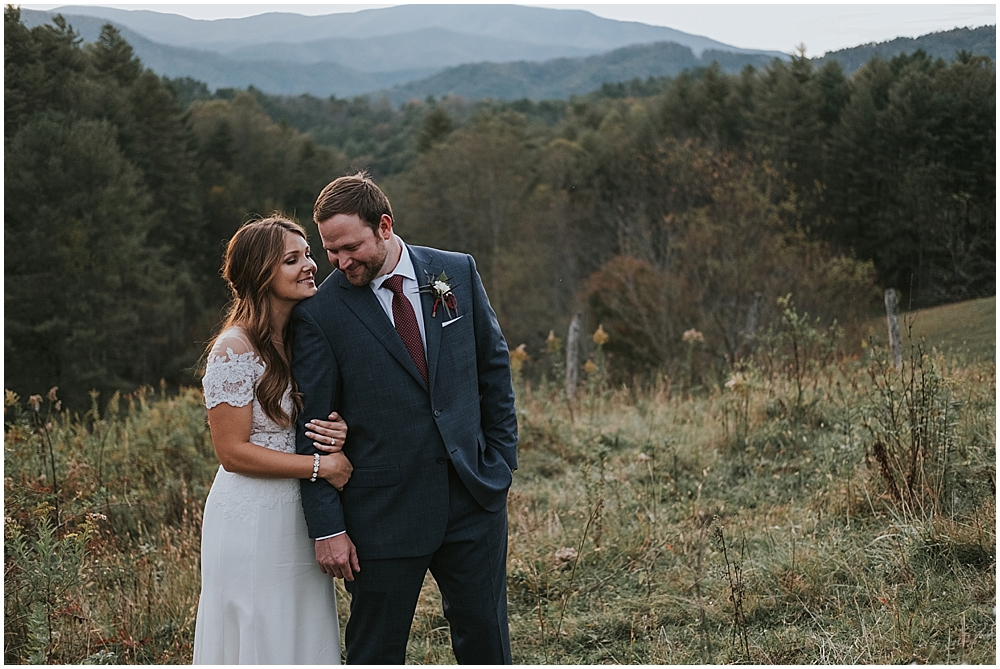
{"x":470,"y":568}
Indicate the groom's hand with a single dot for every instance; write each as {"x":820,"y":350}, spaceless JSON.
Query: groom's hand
{"x":338,"y":557}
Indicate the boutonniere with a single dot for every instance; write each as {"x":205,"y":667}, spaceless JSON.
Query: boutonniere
{"x":440,"y":288}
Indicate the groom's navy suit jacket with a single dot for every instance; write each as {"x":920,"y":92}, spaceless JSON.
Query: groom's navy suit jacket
{"x":348,"y":357}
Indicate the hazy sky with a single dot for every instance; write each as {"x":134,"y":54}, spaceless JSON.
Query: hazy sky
{"x":777,"y":27}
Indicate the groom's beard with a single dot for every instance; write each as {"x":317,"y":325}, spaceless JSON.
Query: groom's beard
{"x":369,"y":269}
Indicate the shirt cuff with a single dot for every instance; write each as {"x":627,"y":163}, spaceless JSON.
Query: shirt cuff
{"x":330,"y":536}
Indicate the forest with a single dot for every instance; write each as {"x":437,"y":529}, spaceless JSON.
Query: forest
{"x":742,"y":472}
{"x":652,"y":207}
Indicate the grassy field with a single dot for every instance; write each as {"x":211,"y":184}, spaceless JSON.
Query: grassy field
{"x":811,"y":508}
{"x":967,"y":329}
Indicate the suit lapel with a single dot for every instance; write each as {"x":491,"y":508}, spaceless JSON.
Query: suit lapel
{"x":423,"y":265}
{"x":362,"y":301}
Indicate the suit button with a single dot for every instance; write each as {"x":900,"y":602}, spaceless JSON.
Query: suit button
{"x":441,"y":461}
{"x":437,"y":412}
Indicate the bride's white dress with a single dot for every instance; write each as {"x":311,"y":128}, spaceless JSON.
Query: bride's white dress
{"x":264,"y":599}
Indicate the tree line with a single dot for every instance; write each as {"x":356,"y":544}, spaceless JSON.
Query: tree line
{"x":654,"y":207}
{"x":118,"y":204}
{"x":894,"y":164}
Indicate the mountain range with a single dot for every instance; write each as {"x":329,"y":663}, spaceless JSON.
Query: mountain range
{"x":372,"y":50}
{"x":579,"y":32}
{"x":412,"y":51}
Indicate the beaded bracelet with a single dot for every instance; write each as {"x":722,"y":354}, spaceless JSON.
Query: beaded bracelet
{"x":312,"y":479}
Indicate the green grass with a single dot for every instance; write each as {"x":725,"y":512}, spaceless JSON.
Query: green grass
{"x":967,"y":329}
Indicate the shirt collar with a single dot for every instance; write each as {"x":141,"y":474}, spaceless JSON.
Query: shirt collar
{"x":403,"y":268}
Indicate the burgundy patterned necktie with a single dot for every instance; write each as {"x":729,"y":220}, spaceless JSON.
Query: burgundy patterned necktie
{"x":406,"y":323}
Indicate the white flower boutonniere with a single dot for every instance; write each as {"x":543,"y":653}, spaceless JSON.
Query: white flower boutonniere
{"x":440,"y":288}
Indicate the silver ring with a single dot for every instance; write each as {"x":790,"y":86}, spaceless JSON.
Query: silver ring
{"x":333,"y":441}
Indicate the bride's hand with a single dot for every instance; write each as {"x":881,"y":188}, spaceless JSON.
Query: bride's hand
{"x":336,"y":469}
{"x":327,"y":435}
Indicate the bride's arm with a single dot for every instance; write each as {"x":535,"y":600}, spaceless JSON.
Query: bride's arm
{"x":230,"y":427}
{"x":229,"y":380}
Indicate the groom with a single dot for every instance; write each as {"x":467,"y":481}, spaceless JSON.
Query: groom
{"x":402,"y":342}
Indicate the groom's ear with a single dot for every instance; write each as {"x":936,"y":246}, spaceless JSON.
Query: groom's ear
{"x":385,"y":227}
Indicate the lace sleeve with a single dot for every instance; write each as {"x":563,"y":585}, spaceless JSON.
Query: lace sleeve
{"x":231,"y":372}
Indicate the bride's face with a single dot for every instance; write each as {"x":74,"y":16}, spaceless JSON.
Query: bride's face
{"x":294,"y":278}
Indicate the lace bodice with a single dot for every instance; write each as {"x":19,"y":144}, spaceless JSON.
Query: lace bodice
{"x":232,"y":372}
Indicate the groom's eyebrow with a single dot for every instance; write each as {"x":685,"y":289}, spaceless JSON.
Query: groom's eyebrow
{"x":333,"y":249}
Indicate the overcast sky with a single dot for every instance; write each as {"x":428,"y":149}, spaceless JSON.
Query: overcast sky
{"x":777,"y":27}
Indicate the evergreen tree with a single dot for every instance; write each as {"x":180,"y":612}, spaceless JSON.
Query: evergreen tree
{"x":88,"y":303}
{"x":437,"y":126}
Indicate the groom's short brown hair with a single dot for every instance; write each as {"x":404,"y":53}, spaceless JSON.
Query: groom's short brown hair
{"x":356,"y":194}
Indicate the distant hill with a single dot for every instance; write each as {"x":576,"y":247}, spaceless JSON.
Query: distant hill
{"x":977,"y":41}
{"x":432,"y":48}
{"x":356,"y":53}
{"x":473,"y":51}
{"x":563,"y":77}
{"x":277,"y":77}
{"x":564,"y":32}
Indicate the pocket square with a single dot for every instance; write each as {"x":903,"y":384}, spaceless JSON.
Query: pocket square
{"x":447,"y":323}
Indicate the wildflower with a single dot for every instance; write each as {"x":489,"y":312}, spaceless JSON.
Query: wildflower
{"x":589,"y":367}
{"x":642,"y":457}
{"x":52,"y":394}
{"x":96,"y":516}
{"x":518,"y":357}
{"x":10,"y":398}
{"x":36,"y":402}
{"x":737,"y":382}
{"x":600,"y":336}
{"x":692,"y":336}
{"x":553,"y":344}
{"x":58,"y":405}
{"x":565,"y":556}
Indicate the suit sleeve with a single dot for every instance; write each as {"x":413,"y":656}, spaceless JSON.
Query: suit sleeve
{"x":499,"y":419}
{"x":314,"y":368}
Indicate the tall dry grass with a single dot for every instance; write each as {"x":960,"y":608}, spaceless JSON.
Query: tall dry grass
{"x":102,"y":528}
{"x":748,"y":518}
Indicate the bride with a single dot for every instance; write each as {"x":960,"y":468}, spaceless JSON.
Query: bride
{"x":264,"y":599}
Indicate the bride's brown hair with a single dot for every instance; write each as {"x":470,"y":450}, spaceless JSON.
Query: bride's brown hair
{"x":249,"y":266}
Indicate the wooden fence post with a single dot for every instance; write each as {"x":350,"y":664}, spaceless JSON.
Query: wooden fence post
{"x":753,"y":315}
{"x":892,"y":314}
{"x":572,"y":359}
